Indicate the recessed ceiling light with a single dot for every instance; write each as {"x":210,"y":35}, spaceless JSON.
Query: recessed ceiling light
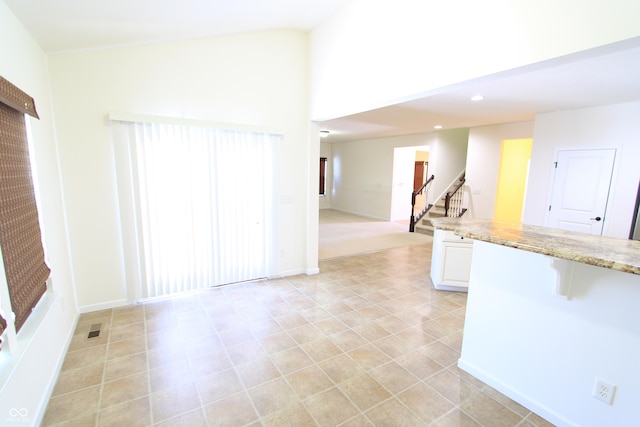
{"x":437,"y":127}
{"x":477,"y":98}
{"x":324,"y":133}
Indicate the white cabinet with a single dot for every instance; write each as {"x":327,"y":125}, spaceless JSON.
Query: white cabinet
{"x":451,"y":261}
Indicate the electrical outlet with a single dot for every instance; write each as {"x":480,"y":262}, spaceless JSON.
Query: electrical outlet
{"x":604,"y":391}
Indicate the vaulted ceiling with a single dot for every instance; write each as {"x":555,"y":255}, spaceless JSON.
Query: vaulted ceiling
{"x":64,"y":25}
{"x":604,"y":75}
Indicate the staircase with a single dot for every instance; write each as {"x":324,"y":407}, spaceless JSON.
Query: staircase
{"x":424,"y":225}
{"x":438,"y":210}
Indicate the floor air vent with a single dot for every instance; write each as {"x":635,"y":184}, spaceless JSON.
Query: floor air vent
{"x":94,"y":330}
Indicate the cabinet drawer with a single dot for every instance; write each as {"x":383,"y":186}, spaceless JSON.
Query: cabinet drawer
{"x":450,"y":236}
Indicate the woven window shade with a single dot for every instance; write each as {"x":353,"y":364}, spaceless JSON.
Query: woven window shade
{"x":20,"y":237}
{"x":13,"y":97}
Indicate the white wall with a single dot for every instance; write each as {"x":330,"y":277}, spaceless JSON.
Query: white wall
{"x":447,"y":158}
{"x":546,"y":351}
{"x":363,"y":174}
{"x":614,"y":126}
{"x":312,"y":204}
{"x":327,"y":151}
{"x":364,"y":170}
{"x":410,"y":47}
{"x":27,"y":378}
{"x":258,"y":79}
{"x":483,"y":163}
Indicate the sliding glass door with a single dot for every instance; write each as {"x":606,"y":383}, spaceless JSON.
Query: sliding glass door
{"x":202,"y":205}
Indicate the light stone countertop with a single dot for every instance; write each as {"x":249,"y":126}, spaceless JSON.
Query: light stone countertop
{"x":616,"y":254}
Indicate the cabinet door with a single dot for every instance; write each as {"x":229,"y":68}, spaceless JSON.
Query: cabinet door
{"x":456,"y":263}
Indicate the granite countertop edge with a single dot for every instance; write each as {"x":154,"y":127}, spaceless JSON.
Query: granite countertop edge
{"x":607,"y":252}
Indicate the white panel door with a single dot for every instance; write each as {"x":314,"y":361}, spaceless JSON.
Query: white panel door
{"x":580,"y":190}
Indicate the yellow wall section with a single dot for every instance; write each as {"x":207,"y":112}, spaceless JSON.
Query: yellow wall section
{"x":512,"y":179}
{"x":422,"y":156}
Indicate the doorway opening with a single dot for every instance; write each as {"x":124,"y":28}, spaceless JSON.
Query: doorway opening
{"x":420,"y":169}
{"x":405,"y":160}
{"x":512,"y":179}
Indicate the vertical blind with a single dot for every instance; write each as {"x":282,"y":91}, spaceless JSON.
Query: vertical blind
{"x":20,"y":235}
{"x":203,"y":201}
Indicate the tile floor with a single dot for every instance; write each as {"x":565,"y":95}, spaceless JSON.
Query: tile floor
{"x":366,"y":342}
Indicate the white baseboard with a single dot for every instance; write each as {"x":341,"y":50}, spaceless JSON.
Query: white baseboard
{"x":288,"y":273}
{"x":364,"y":215}
{"x":524,"y":400}
{"x":104,"y":305}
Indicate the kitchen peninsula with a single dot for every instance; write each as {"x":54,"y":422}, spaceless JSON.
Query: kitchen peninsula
{"x":549,"y":313}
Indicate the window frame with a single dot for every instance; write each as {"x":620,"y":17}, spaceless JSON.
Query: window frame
{"x":20,"y":214}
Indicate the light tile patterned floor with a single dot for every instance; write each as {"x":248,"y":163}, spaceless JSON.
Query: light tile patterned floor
{"x":368,"y":341}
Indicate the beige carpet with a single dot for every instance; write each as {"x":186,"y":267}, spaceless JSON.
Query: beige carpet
{"x":343,"y":234}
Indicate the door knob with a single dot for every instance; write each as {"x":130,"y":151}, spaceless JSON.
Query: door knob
{"x":596,"y":218}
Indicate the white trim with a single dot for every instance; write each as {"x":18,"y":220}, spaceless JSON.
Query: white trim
{"x":515,"y":395}
{"x":288,"y":273}
{"x":364,"y":215}
{"x":145,"y":118}
{"x":42,"y":409}
{"x":10,"y":358}
{"x":104,"y":305}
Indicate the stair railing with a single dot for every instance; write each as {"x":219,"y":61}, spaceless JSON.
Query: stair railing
{"x":453,"y":201}
{"x":419,"y":206}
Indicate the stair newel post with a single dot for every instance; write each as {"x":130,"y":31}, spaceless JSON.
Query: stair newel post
{"x":412,"y":220}
{"x":447,"y":202}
